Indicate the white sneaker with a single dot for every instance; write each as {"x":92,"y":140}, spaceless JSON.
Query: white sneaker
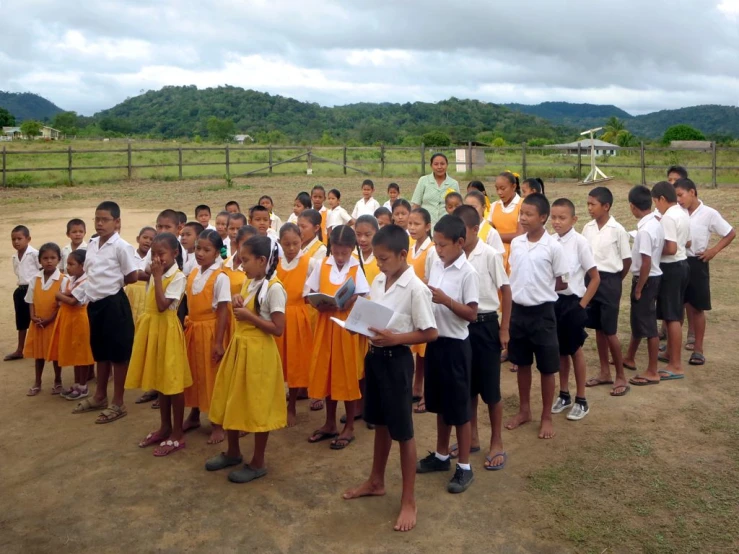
{"x":578,"y":412}
{"x":560,"y":405}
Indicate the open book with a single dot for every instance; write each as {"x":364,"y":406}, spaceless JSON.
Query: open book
{"x":366,"y":314}
{"x":339,"y":299}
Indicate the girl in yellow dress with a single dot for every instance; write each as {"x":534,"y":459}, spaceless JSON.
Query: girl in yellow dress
{"x":136,"y":292}
{"x":41,"y":295}
{"x":486,"y":234}
{"x":70,"y":343}
{"x":209,"y":302}
{"x":159,"y":356}
{"x":336,"y":357}
{"x":249,"y":394}
{"x":311,"y":235}
{"x":232,"y":269}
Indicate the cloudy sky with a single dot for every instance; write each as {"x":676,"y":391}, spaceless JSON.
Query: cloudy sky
{"x":640,"y":55}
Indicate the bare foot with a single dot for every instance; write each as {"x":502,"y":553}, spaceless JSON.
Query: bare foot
{"x":368,"y":488}
{"x":546,"y":430}
{"x":407,"y":517}
{"x":217,"y":436}
{"x":292,"y":419}
{"x":517,"y":420}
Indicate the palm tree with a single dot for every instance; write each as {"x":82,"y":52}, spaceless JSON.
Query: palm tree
{"x":612,"y":128}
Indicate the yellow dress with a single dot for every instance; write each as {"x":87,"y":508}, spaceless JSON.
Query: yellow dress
{"x":296,"y":342}
{"x":236,"y":278}
{"x":159,"y":356}
{"x":136,"y":293}
{"x":249,"y":393}
{"x":38,"y":340}
{"x":70,"y":342}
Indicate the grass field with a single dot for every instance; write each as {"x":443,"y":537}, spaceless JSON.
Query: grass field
{"x":656,"y":471}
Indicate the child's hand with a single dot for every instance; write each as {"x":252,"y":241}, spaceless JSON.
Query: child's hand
{"x":505,"y":337}
{"x":708,"y":255}
{"x":157,"y":270}
{"x":244,"y":314}
{"x":383,"y":337}
{"x":637,"y":293}
{"x":438,"y":296}
{"x":217,"y":353}
{"x":237,"y":301}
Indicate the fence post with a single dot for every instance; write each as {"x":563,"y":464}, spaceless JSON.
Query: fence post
{"x":69,"y":165}
{"x":523,"y":160}
{"x":4,"y":181}
{"x":228,"y":161}
{"x":179,"y":161}
{"x":468,"y":158}
{"x":382,"y":160}
{"x":130,"y":167}
{"x":643,"y":165}
{"x":423,"y":159}
{"x":345,"y":159}
{"x":270,"y":159}
{"x":714,"y":181}
{"x":579,"y":161}
{"x":309,"y":160}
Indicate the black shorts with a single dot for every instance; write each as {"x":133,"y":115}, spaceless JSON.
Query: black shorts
{"x":644,"y":311}
{"x":388,"y":390}
{"x":485,"y":367}
{"x":672,"y":286}
{"x":534,"y":333}
{"x":111,"y":328}
{"x":698,"y":292}
{"x":22,"y":308}
{"x":571,"y":319}
{"x":603,"y":308}
{"x":446,"y":387}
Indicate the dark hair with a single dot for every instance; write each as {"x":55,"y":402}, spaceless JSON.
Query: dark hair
{"x":343,"y":235}
{"x":477,"y":195}
{"x":197,"y":227}
{"x":79,"y":255}
{"x":146,"y":229}
{"x":368,"y":182}
{"x":201,"y":208}
{"x":392,"y":237}
{"x":454,"y":195}
{"x":535,"y":184}
{"x":172,"y":215}
{"x":680,"y":170}
{"x":257,"y":208}
{"x":686,"y":184}
{"x":181,"y":218}
{"x":469,"y":215}
{"x":266,"y":197}
{"x":564,"y":203}
{"x":666,"y":189}
{"x":318,"y":187}
{"x":402,"y":203}
{"x":223,"y":214}
{"x":640,"y":197}
{"x":478,"y":186}
{"x":304,"y":199}
{"x":603,"y":195}
{"x":289,"y":228}
{"x":241,"y":217}
{"x":382,"y":210}
{"x":393,"y":186}
{"x":369,"y":220}
{"x":212,"y":237}
{"x":246,"y":230}
{"x":232,"y":203}
{"x":170,"y":240}
{"x":438,"y":155}
{"x":111,"y":207}
{"x":76,"y":222}
{"x":539,"y":201}
{"x":21,"y":229}
{"x":336,"y":193}
{"x":263,"y":247}
{"x":451,"y":227}
{"x":315,"y":219}
{"x":54,"y":247}
{"x":512,"y":179}
{"x":424,"y":213}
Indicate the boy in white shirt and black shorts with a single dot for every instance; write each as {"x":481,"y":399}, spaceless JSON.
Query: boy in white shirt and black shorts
{"x":25,"y":267}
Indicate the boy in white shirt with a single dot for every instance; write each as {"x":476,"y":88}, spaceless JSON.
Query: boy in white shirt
{"x":275,"y":223}
{"x":704,"y":221}
{"x":570,"y":308}
{"x":393,"y":192}
{"x":537,"y":267}
{"x":76,"y":230}
{"x":646,"y":255}
{"x":367,"y":204}
{"x":25,"y":267}
{"x":455,"y":292}
{"x":388,"y":398}
{"x":202,"y":215}
{"x":336,"y":214}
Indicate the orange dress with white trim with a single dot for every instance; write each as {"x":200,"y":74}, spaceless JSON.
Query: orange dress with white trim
{"x":38,"y":339}
{"x":417,"y":260}
{"x":296,"y":342}
{"x":334,"y":369}
{"x":505,"y":223}
{"x":70,"y":343}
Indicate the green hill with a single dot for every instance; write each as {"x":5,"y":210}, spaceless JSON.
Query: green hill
{"x":580,"y":116}
{"x":26,"y":105}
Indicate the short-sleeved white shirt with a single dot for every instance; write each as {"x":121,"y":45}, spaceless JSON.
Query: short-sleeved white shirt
{"x":66,"y":251}
{"x":338,"y":276}
{"x":319,"y":254}
{"x":107,"y":266}
{"x":365,"y":208}
{"x":649,"y":240}
{"x":188,"y":262}
{"x":275,"y":222}
{"x":221,"y":288}
{"x":578,"y":259}
{"x":703,"y":222}
{"x":26,"y":267}
{"x":493,"y":240}
{"x":274,"y":301}
{"x":461,"y":283}
{"x":535,"y":268}
{"x":77,"y":285}
{"x":610,"y":244}
{"x":409,"y":298}
{"x":676,"y":225}
{"x":489,"y":266}
{"x":141,"y":261}
{"x":45,"y":285}
{"x":337,"y":216}
{"x":176,"y":288}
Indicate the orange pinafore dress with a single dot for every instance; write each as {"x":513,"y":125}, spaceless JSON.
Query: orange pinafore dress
{"x":324,"y":234}
{"x":296,"y":342}
{"x":38,"y":340}
{"x":309,"y":253}
{"x":70,"y":343}
{"x":417,"y":260}
{"x":371,"y":270}
{"x":505,"y":223}
{"x":236,"y":278}
{"x":334,"y":369}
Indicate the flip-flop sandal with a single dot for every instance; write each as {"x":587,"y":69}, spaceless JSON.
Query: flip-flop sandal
{"x":514,"y":368}
{"x":148,"y":396}
{"x":624,"y":392}
{"x":187,"y":428}
{"x":643,"y":381}
{"x":629,"y":366}
{"x":152,"y":438}
{"x":597,"y":381}
{"x":418,"y":409}
{"x":111,"y":414}
{"x":78,"y":394}
{"x":503,"y":358}
{"x":89,"y":405}
{"x":696,"y":358}
{"x":663,"y":348}
{"x":314,"y":405}
{"x":665,"y":375}
{"x":690,"y":344}
{"x":321,"y":436}
{"x":455,"y":446}
{"x":490,"y":459}
{"x":168,"y":447}
{"x":155,"y":405}
{"x":33,"y":391}
{"x":341,"y":444}
{"x":12,"y":357}
{"x":56,"y":390}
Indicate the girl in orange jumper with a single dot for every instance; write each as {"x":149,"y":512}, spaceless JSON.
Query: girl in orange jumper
{"x":208,"y":300}
{"x":504,"y":212}
{"x":70,"y":344}
{"x":41,"y":296}
{"x":334,"y":370}
{"x":297,"y":340}
{"x":311,"y":235}
{"x":365,"y":229}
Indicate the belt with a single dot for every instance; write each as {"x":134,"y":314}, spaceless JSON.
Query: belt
{"x":489,"y":316}
{"x":22,"y":286}
{"x":388,"y":351}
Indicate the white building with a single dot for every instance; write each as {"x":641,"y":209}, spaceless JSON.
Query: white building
{"x":602,"y":148}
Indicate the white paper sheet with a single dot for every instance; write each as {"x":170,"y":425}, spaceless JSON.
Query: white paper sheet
{"x":366,"y":314}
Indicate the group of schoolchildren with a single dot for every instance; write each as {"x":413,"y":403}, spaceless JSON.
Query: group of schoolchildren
{"x":214,"y":318}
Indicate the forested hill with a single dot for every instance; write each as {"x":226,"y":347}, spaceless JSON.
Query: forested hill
{"x":26,"y":105}
{"x":184,"y":111}
{"x":582,"y":116}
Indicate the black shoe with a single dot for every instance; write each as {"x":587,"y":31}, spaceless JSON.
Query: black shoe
{"x":432,"y":463}
{"x":461,"y":481}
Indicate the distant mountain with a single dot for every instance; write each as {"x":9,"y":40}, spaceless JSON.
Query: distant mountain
{"x":581,"y":116}
{"x":26,"y":105}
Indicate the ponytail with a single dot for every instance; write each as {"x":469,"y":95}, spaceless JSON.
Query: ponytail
{"x":263,"y":247}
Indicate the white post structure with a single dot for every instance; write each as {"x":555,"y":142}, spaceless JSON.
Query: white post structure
{"x":595,"y":175}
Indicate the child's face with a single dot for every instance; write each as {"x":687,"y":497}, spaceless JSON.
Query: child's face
{"x":255,"y":267}
{"x":367,"y":192}
{"x":205,"y":253}
{"x":203,"y":218}
{"x":308,"y":231}
{"x":447,"y":249}
{"x":388,"y":261}
{"x":222,"y":225}
{"x":166,"y":256}
{"x":365,"y":232}
{"x":472,"y":201}
{"x":260,"y":220}
{"x":400,"y":216}
{"x":298,"y":207}
{"x":266,"y":203}
{"x":470,"y":239}
{"x":144,"y":241}
{"x":596,"y":210}
{"x":318,"y":197}
{"x":73,"y":268}
{"x":233,"y":228}
{"x":341,"y":254}
{"x":452,"y":204}
{"x":530,"y":218}
{"x":49,"y":261}
{"x":76,"y":235}
{"x":562,"y":219}
{"x":20,"y":241}
{"x":393,"y":195}
{"x":526,"y":190}
{"x":686,"y":198}
{"x":166,"y":225}
{"x":332,"y":201}
{"x":188,"y":237}
{"x":673,"y":177}
{"x":661,"y":204}
{"x":383,"y":220}
{"x":417,"y":227}
{"x":291,"y":245}
{"x":505,"y":189}
{"x":105,"y":223}
{"x":232,"y":209}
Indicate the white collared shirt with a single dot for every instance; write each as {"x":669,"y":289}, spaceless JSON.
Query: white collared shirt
{"x":535,"y":267}
{"x":293,"y":218}
{"x":489,"y":266}
{"x":676,"y":225}
{"x":176,"y":288}
{"x":649,"y":240}
{"x":26,"y":267}
{"x":610,"y":245}
{"x":389,"y":205}
{"x":274,"y":301}
{"x":45,"y":284}
{"x":703,"y":222}
{"x":578,"y":259}
{"x":107,"y":266}
{"x":337,"y":216}
{"x":66,"y":251}
{"x":188,"y":262}
{"x":493,"y":240}
{"x":338,"y":276}
{"x":227,"y":244}
{"x":221,"y":288}
{"x":409,"y":298}
{"x":505,"y":209}
{"x":319,"y":254}
{"x":363,"y":207}
{"x":76,"y":285}
{"x":275,"y":222}
{"x":461,"y":283}
{"x":141,"y":262}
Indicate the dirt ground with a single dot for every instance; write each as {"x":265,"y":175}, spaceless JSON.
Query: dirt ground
{"x":655,"y":471}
